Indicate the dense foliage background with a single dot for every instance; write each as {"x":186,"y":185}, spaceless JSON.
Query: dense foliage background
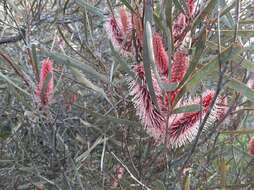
{"x":90,"y":137}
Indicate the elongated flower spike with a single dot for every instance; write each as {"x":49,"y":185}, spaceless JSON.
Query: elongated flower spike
{"x":152,"y":119}
{"x":179,"y":66}
{"x":138,"y":26}
{"x":184,"y":127}
{"x":44,"y":93}
{"x":124,"y":19}
{"x":118,"y":32}
{"x":178,"y":70}
{"x":251,"y":146}
{"x":161,"y":57}
{"x":182,"y":20}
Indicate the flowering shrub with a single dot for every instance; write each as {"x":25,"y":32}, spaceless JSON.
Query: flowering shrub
{"x":126,"y":94}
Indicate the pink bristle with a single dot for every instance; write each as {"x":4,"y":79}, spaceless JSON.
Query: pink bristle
{"x":46,"y":69}
{"x":184,"y":127}
{"x":161,"y":57}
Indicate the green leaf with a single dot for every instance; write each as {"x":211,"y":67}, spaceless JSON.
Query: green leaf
{"x":149,"y":58}
{"x":35,"y":61}
{"x":241,"y":88}
{"x":242,"y":131}
{"x":127,"y":4}
{"x":246,"y":21}
{"x":164,"y":86}
{"x":13,"y":84}
{"x":179,"y":6}
{"x":203,"y":13}
{"x":71,"y":62}
{"x":188,"y":108}
{"x":120,"y":60}
{"x":84,"y":155}
{"x":200,"y":46}
{"x":90,"y":8}
{"x":187,"y":182}
{"x":245,"y":63}
{"x":244,"y":33}
{"x":5,"y":130}
{"x":81,"y":78}
{"x":115,"y":120}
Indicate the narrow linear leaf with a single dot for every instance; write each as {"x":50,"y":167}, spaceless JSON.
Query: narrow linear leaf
{"x":71,"y":62}
{"x":200,"y":46}
{"x":120,"y":60}
{"x":179,"y":6}
{"x":205,"y":12}
{"x":35,"y":61}
{"x":241,"y":88}
{"x":127,"y":4}
{"x":83,"y":80}
{"x":188,"y":108}
{"x":13,"y":84}
{"x":228,"y":8}
{"x":241,"y":131}
{"x":187,"y":182}
{"x":164,"y":86}
{"x":115,"y":120}
{"x":91,"y":8}
{"x":84,"y":155}
{"x":245,"y":33}
{"x":246,"y":21}
{"x":148,"y":59}
{"x":245,"y":63}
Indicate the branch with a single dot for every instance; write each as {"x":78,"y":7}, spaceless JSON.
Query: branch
{"x":13,"y":39}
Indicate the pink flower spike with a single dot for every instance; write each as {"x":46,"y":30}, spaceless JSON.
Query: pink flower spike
{"x":184,"y":127}
{"x":251,"y":146}
{"x":161,"y":57}
{"x":182,"y":20}
{"x":152,"y":120}
{"x":179,"y":25}
{"x":124,"y":19}
{"x":116,"y":32}
{"x":46,"y":96}
{"x":191,"y":7}
{"x":179,"y":66}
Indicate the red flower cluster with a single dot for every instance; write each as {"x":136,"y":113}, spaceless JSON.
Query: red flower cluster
{"x":178,"y":129}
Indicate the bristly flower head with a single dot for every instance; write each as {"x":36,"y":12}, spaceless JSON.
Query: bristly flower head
{"x":182,"y":20}
{"x":179,"y":66}
{"x":124,"y":19}
{"x":184,"y":127}
{"x":42,"y":92}
{"x":152,"y":119}
{"x":118,"y":30}
{"x":161,"y":57}
{"x":251,"y":146}
{"x":178,"y":70}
